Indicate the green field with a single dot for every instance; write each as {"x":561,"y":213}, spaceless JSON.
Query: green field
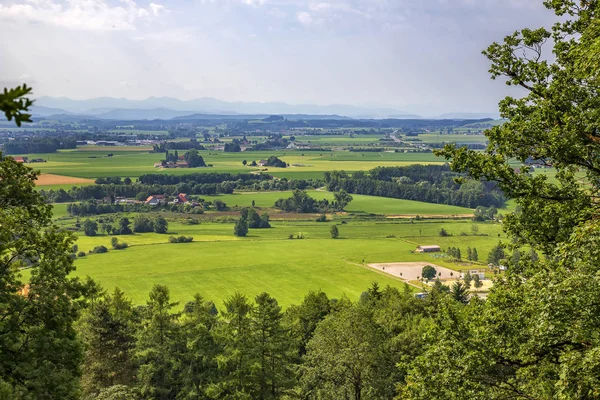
{"x":217,"y":263}
{"x":93,"y":162}
{"x":359,"y":204}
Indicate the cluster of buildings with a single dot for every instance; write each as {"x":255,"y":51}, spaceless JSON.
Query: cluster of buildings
{"x":24,"y":160}
{"x":170,"y":164}
{"x":181,"y":198}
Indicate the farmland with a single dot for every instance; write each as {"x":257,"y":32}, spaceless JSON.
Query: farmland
{"x":217,"y":263}
{"x":133,"y":162}
{"x":297,"y":254}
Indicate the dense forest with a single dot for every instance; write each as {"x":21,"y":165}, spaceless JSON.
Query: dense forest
{"x":428,"y":183}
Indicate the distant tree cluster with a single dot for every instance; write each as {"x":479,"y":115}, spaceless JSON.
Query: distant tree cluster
{"x":39,"y":145}
{"x":180,"y":145}
{"x":142,"y":224}
{"x":275,"y":162}
{"x":428,"y":183}
{"x":301,"y":202}
{"x":249,"y":218}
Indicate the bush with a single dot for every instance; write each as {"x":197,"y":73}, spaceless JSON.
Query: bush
{"x":322,"y":218}
{"x":180,"y":239}
{"x":443,"y":233}
{"x":335,"y":233}
{"x":81,"y":254}
{"x":99,"y":250}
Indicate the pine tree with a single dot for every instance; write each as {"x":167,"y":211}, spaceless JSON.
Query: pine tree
{"x":234,"y":335}
{"x":198,"y":365}
{"x":469,"y":254}
{"x":107,"y":329}
{"x":156,"y":341}
{"x":475,"y":256}
{"x":271,"y":349}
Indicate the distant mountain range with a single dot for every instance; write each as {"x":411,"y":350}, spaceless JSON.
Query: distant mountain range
{"x":166,"y":108}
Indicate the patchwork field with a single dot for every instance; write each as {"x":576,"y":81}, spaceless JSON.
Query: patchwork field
{"x":94,"y":162}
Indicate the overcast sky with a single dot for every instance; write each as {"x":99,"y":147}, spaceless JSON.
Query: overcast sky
{"x":415,"y":55}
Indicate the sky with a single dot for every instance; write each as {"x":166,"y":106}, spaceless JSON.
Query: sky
{"x":420,"y":56}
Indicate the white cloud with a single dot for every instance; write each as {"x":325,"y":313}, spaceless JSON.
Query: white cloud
{"x":304,"y":18}
{"x":156,"y":8}
{"x":93,"y":15}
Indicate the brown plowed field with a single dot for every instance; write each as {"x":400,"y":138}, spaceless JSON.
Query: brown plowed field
{"x":51,"y":179}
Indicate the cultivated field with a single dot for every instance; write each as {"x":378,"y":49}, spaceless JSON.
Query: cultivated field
{"x":132,"y":162}
{"x":51,"y":179}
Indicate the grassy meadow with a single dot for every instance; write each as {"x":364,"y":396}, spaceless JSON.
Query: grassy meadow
{"x":217,"y":263}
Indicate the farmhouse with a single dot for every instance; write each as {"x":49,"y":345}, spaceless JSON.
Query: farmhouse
{"x":21,"y":159}
{"x":182,"y":164}
{"x":181,"y":199}
{"x":155,"y":200}
{"x":428,"y":249}
{"x":262,"y":163}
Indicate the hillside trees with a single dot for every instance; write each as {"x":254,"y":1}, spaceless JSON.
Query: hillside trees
{"x":39,"y":351}
{"x":535,"y":335}
{"x":107,"y":329}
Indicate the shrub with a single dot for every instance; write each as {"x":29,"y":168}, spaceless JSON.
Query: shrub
{"x":81,"y":254}
{"x":335,"y":233}
{"x":99,"y":250}
{"x":180,"y":239}
{"x":322,"y":218}
{"x":443,"y":233}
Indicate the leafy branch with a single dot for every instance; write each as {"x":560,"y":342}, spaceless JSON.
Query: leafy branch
{"x":15,"y":104}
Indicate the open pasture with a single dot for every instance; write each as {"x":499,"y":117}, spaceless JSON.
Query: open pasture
{"x":267,"y":260}
{"x":359,"y":204}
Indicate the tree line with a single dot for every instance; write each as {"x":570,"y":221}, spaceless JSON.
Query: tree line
{"x":428,"y":183}
{"x":39,"y":145}
{"x":321,"y":348}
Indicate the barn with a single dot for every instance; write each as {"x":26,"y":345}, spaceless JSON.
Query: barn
{"x":428,"y":249}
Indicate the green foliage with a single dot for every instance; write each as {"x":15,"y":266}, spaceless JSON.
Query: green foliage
{"x":39,"y":352}
{"x":156,"y":342}
{"x":334,"y":231}
{"x":181,"y":239}
{"x":15,"y":104}
{"x":496,"y":255}
{"x":460,"y":292}
{"x":107,"y":329}
{"x":443,"y":233}
{"x":342,"y":199}
{"x":345,"y":356}
{"x":89,"y":227}
{"x":240,"y":228}
{"x":194,"y":159}
{"x":160,"y":225}
{"x":535,"y":336}
{"x":124,"y":228}
{"x":99,"y":250}
{"x":428,"y":272}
